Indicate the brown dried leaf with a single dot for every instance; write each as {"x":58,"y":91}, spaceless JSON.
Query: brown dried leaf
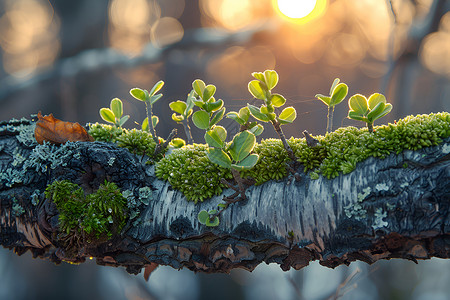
{"x":149,"y":268}
{"x":55,"y":131}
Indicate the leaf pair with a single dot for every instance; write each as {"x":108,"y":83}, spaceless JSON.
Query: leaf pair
{"x":338,"y":92}
{"x":184,"y":109}
{"x":208,"y":218}
{"x":242,"y":119}
{"x":237,"y":155}
{"x":211,"y":110}
{"x":114,"y":113}
{"x":146,"y":96}
{"x":368,"y":110}
{"x":288,"y":115}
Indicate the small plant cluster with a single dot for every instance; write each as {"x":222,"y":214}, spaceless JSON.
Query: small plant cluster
{"x":201,"y":171}
{"x":100,"y":214}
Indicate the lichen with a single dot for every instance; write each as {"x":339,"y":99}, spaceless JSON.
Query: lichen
{"x":50,"y":156}
{"x":189,"y":170}
{"x":379,"y":215}
{"x":382,"y":187}
{"x":17,"y":209}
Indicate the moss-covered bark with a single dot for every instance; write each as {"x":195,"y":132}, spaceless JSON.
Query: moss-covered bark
{"x":395,"y":207}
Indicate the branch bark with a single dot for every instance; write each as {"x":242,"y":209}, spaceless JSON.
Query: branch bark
{"x":392,"y":208}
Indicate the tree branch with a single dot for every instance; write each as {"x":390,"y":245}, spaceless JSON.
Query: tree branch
{"x":392,"y":208}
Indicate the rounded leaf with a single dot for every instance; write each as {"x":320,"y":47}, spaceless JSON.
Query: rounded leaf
{"x":177,"y":118}
{"x":264,"y":110}
{"x":217,"y":117}
{"x":254,"y":111}
{"x":123,"y":120}
{"x":190,"y":101}
{"x":358,"y":104}
{"x":339,"y":93}
{"x":355,"y":116}
{"x":215,"y":105}
{"x":324,"y":99}
{"x":288,"y":115}
{"x":335,"y":83}
{"x":375,"y":112}
{"x":138,"y":94}
{"x":257,"y":129}
{"x":271,"y":78}
{"x":203,"y":216}
{"x":117,"y":107}
{"x":219,"y":157}
{"x":235,"y":116}
{"x":277,"y":100}
{"x":216,"y":137}
{"x":156,"y":88}
{"x":155,"y":121}
{"x":155,"y":98}
{"x":178,"y":107}
{"x":208,"y":92}
{"x":107,"y":115}
{"x":244,"y":114}
{"x":198,"y":85}
{"x":144,"y":125}
{"x":212,"y":223}
{"x":259,"y":76}
{"x":201,"y":119}
{"x":247,"y":163}
{"x":242,"y":145}
{"x":256,"y":88}
{"x":376,"y":98}
{"x":177,"y":143}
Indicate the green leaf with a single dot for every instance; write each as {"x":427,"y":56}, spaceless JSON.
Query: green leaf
{"x":155,"y":98}
{"x":199,"y":86}
{"x":123,"y":120}
{"x":208,"y":92}
{"x":271,"y":78}
{"x":219,"y":157}
{"x":254,"y":111}
{"x":177,"y":118}
{"x":259,"y":76}
{"x":138,"y":94}
{"x":155,"y":121}
{"x":277,"y":100}
{"x":217,"y":117}
{"x":247,"y":163}
{"x":214,"y":105}
{"x":387,"y":109}
{"x":212,"y":223}
{"x":222,"y":205}
{"x":201,"y":119}
{"x":156,"y":88}
{"x":355,"y":116}
{"x":144,"y":125}
{"x":264,"y":110}
{"x":235,"y":116}
{"x":288,"y":115}
{"x":244,"y":114}
{"x":199,"y":103}
{"x":203,"y":216}
{"x":177,"y":143}
{"x":324,"y":99}
{"x":335,"y":83}
{"x":257,"y":130}
{"x":178,"y":107}
{"x":256,"y":88}
{"x":190,"y":102}
{"x":242,"y":145}
{"x":339,"y":93}
{"x":107,"y":115}
{"x":117,"y":107}
{"x":375,"y":112}
{"x":216,"y":137}
{"x":374,"y":99}
{"x":358,"y":104}
{"x":212,"y":212}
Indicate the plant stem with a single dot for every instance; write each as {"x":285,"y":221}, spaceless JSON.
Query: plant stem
{"x":187,"y":131}
{"x":330,"y":119}
{"x":370,"y":127}
{"x":150,"y":122}
{"x":288,"y":148}
{"x":160,"y":147}
{"x":238,"y":179}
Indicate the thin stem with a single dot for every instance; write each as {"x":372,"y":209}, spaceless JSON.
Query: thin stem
{"x":238,"y":179}
{"x":370,"y":127}
{"x":187,"y":131}
{"x":330,"y":119}
{"x":288,"y":148}
{"x":150,"y":121}
{"x":160,"y":147}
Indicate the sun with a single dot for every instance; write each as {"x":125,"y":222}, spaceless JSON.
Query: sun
{"x":300,"y":11}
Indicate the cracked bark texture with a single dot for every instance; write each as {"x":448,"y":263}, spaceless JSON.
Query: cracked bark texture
{"x":392,"y":208}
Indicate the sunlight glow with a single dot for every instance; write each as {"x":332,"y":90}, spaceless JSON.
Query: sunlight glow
{"x":300,"y":11}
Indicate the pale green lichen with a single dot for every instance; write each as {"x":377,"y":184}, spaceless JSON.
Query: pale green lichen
{"x":446,"y":148}
{"x":382,"y":187}
{"x":17,"y":209}
{"x":50,"y":156}
{"x":379,"y":216}
{"x":356,"y":209}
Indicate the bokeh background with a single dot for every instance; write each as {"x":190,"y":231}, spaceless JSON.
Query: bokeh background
{"x":70,"y":58}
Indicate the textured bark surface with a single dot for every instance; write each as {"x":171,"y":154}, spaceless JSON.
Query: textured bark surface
{"x":392,"y":208}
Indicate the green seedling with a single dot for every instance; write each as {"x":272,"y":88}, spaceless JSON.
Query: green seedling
{"x":145,"y":127}
{"x":150,"y":98}
{"x":338,"y":92}
{"x":211,"y":110}
{"x":114,"y":113}
{"x":208,"y":218}
{"x":261,"y":88}
{"x":368,"y":110}
{"x":242,"y":117}
{"x":182,"y":112}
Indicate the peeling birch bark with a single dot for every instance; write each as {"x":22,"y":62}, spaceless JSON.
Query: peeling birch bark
{"x":392,"y":208}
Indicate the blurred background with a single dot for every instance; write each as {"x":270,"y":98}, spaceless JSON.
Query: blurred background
{"x":70,"y":58}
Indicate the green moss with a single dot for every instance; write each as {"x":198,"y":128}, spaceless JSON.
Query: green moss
{"x":189,"y":170}
{"x":139,"y":142}
{"x":105,"y":133}
{"x":102,"y":213}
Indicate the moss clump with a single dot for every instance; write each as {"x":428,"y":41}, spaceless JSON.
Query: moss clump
{"x":100,"y":214}
{"x":139,"y":142}
{"x":105,"y":133}
{"x":189,"y":170}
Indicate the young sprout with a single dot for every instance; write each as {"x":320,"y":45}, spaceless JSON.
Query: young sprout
{"x":368,"y":110}
{"x":211,"y":110}
{"x":338,"y":92}
{"x":184,"y":110}
{"x":114,"y":113}
{"x":242,"y":119}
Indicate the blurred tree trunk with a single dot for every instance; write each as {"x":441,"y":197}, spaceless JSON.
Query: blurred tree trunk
{"x":392,"y":208}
